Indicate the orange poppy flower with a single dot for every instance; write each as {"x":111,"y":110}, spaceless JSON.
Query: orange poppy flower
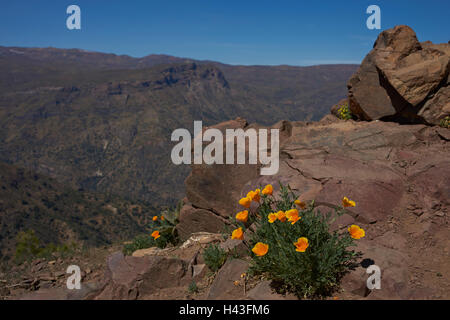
{"x":292,"y":216}
{"x":348,"y":203}
{"x":294,"y":220}
{"x":300,"y":203}
{"x":356,"y":232}
{"x":254,"y":195}
{"x":301,"y":244}
{"x":257,"y":195}
{"x":245,"y":202}
{"x":162,"y":218}
{"x":281,"y":216}
{"x":268,"y":190}
{"x":272,"y":217}
{"x":155,"y":218}
{"x":237,"y":234}
{"x":155,"y":234}
{"x":242,"y":216}
{"x":260,"y":249}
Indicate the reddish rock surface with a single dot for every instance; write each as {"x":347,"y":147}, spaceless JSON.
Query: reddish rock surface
{"x":397,"y":174}
{"x":227,"y":284}
{"x":128,"y":278}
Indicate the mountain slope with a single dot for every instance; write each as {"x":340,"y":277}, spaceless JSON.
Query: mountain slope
{"x":59,"y":214}
{"x":103,"y":122}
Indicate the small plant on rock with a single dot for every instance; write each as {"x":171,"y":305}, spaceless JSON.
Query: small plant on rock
{"x":193,"y":288}
{"x":163,"y":232}
{"x":344,"y":112}
{"x":445,"y":123}
{"x":214,"y":257}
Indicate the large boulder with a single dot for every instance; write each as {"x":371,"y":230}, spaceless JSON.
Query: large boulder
{"x":437,"y":107}
{"x":401,"y":79}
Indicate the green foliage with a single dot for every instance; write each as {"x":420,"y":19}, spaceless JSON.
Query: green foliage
{"x":313,"y":273}
{"x":165,"y":224}
{"x":33,"y":201}
{"x":445,"y":123}
{"x":193,"y":288}
{"x":214,"y":257}
{"x":344,"y":112}
{"x":28,"y":247}
{"x":139,"y":242}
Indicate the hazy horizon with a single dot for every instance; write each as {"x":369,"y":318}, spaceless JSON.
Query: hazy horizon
{"x":237,"y":33}
{"x":188,"y":58}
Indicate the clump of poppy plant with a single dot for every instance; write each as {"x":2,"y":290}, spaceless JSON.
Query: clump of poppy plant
{"x":161,"y":232}
{"x":292,"y":244}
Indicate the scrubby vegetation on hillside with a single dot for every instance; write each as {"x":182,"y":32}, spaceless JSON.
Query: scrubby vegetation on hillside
{"x":58,"y":215}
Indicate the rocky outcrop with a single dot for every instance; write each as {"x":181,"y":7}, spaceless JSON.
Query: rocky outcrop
{"x":397,"y":174}
{"x":373,"y":162}
{"x":402,"y":79}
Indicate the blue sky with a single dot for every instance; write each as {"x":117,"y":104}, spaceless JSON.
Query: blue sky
{"x":236,"y":32}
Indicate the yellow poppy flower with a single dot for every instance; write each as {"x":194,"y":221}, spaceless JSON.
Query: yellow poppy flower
{"x":348,"y":203}
{"x":242,"y":216}
{"x":301,"y":244}
{"x":281,"y":216}
{"x":272,"y":217}
{"x":300,"y":203}
{"x":155,"y":234}
{"x":260,"y":249}
{"x":268,"y":190}
{"x":356,"y":232}
{"x":237,"y":234}
{"x":245,"y":202}
{"x":155,"y":218}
